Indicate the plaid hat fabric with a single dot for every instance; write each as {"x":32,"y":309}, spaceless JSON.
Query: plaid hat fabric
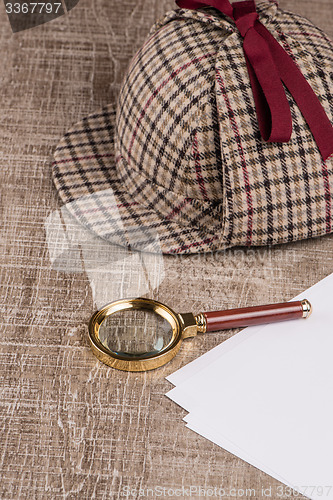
{"x":181,"y":157}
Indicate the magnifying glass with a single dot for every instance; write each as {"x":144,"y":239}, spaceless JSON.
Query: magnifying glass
{"x":142,"y":334}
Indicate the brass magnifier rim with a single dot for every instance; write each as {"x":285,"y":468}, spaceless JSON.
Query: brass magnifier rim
{"x":132,"y":363}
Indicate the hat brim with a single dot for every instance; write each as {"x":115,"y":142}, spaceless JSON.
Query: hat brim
{"x":85,"y":175}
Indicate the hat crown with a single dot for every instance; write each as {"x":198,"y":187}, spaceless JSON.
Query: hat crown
{"x":167,"y":118}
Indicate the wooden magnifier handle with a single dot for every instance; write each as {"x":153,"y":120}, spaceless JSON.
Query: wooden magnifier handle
{"x":259,"y":315}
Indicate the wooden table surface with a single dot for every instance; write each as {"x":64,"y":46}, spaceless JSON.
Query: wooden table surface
{"x":72,"y":428}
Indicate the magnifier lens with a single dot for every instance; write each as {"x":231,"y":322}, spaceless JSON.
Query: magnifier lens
{"x":135,"y":332}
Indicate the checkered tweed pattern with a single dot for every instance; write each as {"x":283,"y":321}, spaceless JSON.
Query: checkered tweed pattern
{"x":181,"y":160}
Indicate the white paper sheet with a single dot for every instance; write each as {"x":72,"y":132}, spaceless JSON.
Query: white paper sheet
{"x":216,"y":437}
{"x":266,"y":395}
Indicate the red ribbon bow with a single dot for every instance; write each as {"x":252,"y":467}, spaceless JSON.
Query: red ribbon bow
{"x":270,"y":67}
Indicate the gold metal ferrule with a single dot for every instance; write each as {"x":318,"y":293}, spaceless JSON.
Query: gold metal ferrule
{"x":307,"y":308}
{"x":201,"y":323}
{"x":192,"y":325}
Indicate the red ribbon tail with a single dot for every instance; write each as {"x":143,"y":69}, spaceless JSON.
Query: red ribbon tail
{"x":273,"y":110}
{"x":303,"y":94}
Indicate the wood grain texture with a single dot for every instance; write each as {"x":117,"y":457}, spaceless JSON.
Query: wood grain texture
{"x":72,"y":428}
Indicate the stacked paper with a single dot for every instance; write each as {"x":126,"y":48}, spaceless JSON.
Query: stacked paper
{"x":266,"y":395}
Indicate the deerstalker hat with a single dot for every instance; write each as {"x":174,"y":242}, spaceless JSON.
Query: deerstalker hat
{"x":222,"y":135}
